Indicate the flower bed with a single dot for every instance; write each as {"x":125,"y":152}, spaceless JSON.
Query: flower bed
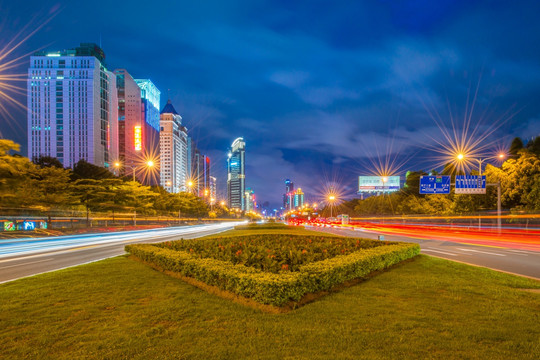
{"x":274,"y":269}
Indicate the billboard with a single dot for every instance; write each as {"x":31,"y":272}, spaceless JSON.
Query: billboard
{"x":378,"y":184}
{"x":439,"y":184}
{"x":137,"y":138}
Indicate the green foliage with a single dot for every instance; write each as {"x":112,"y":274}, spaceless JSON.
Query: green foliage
{"x":533,"y":146}
{"x":47,"y":161}
{"x":274,"y":288}
{"x":412,"y":182}
{"x":84,"y":170}
{"x":515,"y":147}
{"x":267,"y":226}
{"x":272,"y":253}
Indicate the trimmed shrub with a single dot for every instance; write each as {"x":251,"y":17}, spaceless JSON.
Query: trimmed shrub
{"x":267,"y":226}
{"x":275,"y":288}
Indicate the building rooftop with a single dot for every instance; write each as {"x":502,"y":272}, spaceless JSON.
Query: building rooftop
{"x":169,"y":109}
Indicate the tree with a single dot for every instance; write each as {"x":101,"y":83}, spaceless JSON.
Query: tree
{"x":85,"y":170}
{"x":47,"y":161}
{"x":412,"y":182}
{"x":15,"y":170}
{"x":534,"y":146}
{"x":515,"y":147}
{"x":520,"y":181}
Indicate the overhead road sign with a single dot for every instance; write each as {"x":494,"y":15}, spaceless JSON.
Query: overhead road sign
{"x":470,"y":184}
{"x":435,"y":184}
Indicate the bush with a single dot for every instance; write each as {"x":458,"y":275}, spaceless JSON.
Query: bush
{"x":275,"y":288}
{"x":267,"y":226}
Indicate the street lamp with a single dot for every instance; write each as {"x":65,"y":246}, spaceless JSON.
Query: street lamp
{"x":331,"y":198}
{"x":500,"y":156}
{"x":384,"y":180}
{"x":190,"y":185}
{"x":149,"y":164}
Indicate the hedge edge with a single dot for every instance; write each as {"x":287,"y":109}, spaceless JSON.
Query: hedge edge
{"x":276,"y":289}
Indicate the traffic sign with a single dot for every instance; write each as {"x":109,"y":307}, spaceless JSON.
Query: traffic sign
{"x":470,"y":184}
{"x":435,"y":184}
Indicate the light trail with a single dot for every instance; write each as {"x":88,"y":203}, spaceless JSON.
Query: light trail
{"x":11,"y":247}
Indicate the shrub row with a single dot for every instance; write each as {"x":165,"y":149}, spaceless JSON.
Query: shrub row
{"x":267,"y":226}
{"x":270,"y":288}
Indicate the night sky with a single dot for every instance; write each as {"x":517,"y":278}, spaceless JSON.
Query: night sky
{"x":322,"y":91}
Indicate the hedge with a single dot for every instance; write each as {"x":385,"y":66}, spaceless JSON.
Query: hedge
{"x":267,"y":226}
{"x":276,"y":289}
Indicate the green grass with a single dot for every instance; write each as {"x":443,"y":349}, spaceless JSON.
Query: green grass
{"x":121,"y":309}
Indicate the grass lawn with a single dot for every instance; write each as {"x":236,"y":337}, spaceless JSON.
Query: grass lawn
{"x":121,"y":309}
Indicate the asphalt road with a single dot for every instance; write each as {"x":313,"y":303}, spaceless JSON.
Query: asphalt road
{"x":26,"y":257}
{"x":515,"y":261}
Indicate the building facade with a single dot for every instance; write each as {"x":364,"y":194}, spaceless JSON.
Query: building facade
{"x":249,"y":200}
{"x":149,"y":133}
{"x":289,"y":189}
{"x":236,"y":175}
{"x":72,"y":107}
{"x":173,"y":150}
{"x":213,"y":188}
{"x":130,"y":122}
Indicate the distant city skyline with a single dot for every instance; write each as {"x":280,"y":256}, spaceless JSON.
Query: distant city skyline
{"x":368,"y":86}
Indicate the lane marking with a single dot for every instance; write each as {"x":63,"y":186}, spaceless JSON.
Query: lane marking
{"x":29,"y":263}
{"x":482,"y":252}
{"x":24,"y":257}
{"x":523,"y":251}
{"x":441,"y":252}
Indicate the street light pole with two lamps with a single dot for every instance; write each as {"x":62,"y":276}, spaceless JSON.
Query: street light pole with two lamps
{"x":501,"y":156}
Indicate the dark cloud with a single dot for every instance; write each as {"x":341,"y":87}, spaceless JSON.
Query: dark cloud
{"x":315,"y":88}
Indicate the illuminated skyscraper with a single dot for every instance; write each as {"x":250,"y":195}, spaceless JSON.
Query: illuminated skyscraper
{"x":173,"y":150}
{"x":150,"y":126}
{"x":213,"y":188}
{"x":130,"y":121}
{"x":249,"y":199}
{"x":289,"y":189}
{"x":236,"y":176}
{"x":72,"y":106}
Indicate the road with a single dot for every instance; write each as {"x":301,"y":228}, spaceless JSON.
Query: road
{"x":506,"y":257}
{"x":26,"y":257}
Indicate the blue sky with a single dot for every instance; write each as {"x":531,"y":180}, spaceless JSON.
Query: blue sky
{"x":320,"y":90}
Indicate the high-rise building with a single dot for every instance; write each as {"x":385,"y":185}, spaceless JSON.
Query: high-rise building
{"x":150,"y":96}
{"x":213,"y":188}
{"x":289,"y":189}
{"x":249,"y":200}
{"x":130,"y":122}
{"x":298,"y":198}
{"x":236,"y":176}
{"x":72,"y":106}
{"x":204,"y":179}
{"x":173,"y":150}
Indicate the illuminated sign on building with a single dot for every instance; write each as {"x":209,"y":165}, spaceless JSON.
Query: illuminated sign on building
{"x":378,"y":184}
{"x":137,"y":135}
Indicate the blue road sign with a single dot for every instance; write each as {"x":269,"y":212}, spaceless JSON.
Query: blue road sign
{"x":470,"y":184}
{"x":435,"y":184}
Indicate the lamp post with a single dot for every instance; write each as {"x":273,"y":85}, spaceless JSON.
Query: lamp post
{"x":500,"y":156}
{"x":190,"y":185}
{"x":331,"y":198}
